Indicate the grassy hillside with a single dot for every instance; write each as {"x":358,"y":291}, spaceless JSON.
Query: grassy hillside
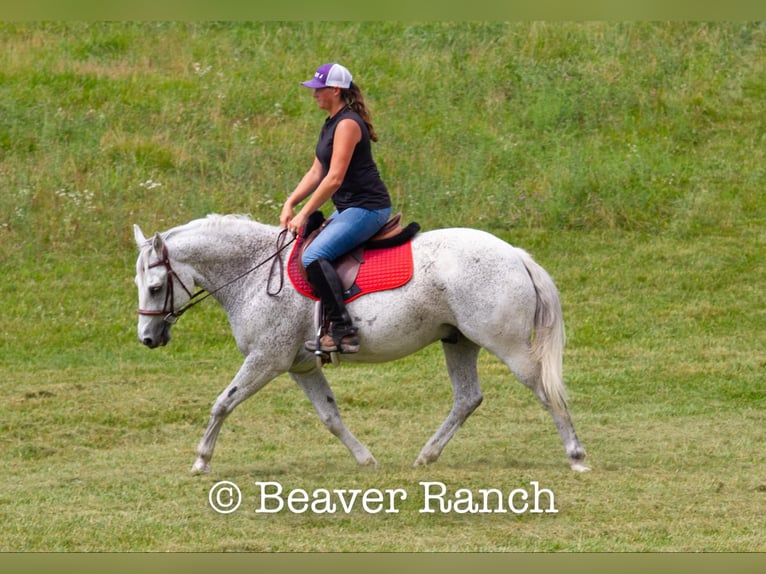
{"x":628,"y":158}
{"x":504,"y":126}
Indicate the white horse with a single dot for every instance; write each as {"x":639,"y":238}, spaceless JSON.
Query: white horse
{"x":469,"y":290}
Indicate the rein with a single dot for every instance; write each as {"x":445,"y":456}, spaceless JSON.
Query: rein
{"x":171,"y":317}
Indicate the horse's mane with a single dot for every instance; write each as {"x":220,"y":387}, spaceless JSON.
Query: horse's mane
{"x":215,"y":218}
{"x":211,"y":221}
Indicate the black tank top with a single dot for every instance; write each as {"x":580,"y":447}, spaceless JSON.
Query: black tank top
{"x":362,"y":186}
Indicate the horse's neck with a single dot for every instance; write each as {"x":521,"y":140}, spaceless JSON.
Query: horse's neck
{"x":222,"y":250}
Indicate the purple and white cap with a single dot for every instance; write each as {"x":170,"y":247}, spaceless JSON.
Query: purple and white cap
{"x":330,"y":76}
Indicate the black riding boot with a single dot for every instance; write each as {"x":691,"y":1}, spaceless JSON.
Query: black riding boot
{"x":342,"y":335}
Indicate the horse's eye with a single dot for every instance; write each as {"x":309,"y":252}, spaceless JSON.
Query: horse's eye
{"x":154,"y":289}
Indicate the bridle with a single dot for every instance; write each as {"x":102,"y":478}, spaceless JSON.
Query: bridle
{"x":171,"y":316}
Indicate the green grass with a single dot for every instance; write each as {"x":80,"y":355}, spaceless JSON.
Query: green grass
{"x":627,"y":158}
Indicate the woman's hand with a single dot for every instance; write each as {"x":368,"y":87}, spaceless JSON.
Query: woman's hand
{"x":297,"y":223}
{"x":306,"y":187}
{"x":286,"y":216}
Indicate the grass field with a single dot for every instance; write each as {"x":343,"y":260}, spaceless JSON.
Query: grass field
{"x":627,"y":158}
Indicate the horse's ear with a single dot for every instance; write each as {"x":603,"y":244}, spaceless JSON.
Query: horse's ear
{"x":139,"y":235}
{"x":158,"y":243}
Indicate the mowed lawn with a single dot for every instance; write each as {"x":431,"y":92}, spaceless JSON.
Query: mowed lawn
{"x":664,"y":375}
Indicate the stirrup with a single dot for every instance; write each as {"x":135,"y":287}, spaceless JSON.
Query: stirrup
{"x":344,"y":342}
{"x":347,"y":342}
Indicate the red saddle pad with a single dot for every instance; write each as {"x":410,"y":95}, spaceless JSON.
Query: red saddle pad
{"x":382,"y":269}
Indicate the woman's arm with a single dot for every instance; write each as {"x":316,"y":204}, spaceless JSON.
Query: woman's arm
{"x":305,"y":187}
{"x":347,"y":135}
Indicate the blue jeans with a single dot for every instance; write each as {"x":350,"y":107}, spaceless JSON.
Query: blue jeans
{"x":348,"y":229}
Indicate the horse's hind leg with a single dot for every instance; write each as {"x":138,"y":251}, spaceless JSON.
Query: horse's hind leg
{"x":462,"y":358}
{"x":527,"y":371}
{"x":575,"y":451}
{"x":318,"y":390}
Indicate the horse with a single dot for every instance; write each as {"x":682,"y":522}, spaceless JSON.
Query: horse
{"x":469,"y":290}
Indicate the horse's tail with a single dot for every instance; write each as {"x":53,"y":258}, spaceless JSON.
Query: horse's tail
{"x":549,"y":336}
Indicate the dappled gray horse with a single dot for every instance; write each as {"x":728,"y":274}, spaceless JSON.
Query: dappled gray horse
{"x":469,"y":290}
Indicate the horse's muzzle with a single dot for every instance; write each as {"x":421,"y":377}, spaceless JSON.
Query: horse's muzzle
{"x":157,"y":341}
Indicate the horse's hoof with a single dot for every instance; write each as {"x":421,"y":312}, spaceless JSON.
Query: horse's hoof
{"x":200,"y":467}
{"x":369,"y":462}
{"x":579,"y":467}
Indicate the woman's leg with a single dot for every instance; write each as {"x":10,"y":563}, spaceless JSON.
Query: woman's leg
{"x":346,"y":230}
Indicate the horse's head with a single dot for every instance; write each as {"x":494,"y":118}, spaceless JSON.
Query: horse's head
{"x":159,"y":299}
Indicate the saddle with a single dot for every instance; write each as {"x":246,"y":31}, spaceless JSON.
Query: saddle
{"x":347,"y":266}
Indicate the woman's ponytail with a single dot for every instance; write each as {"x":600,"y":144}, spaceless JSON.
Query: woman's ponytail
{"x":355,"y":100}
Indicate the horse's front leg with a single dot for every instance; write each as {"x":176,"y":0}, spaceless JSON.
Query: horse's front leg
{"x":317,"y":389}
{"x":253,"y":375}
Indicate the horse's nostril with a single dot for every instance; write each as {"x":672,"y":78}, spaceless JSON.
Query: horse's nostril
{"x":148,"y":341}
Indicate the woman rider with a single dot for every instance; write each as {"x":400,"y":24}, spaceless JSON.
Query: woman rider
{"x":344,"y":171}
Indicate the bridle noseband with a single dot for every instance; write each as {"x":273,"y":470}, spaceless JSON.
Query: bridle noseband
{"x":171,"y":316}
